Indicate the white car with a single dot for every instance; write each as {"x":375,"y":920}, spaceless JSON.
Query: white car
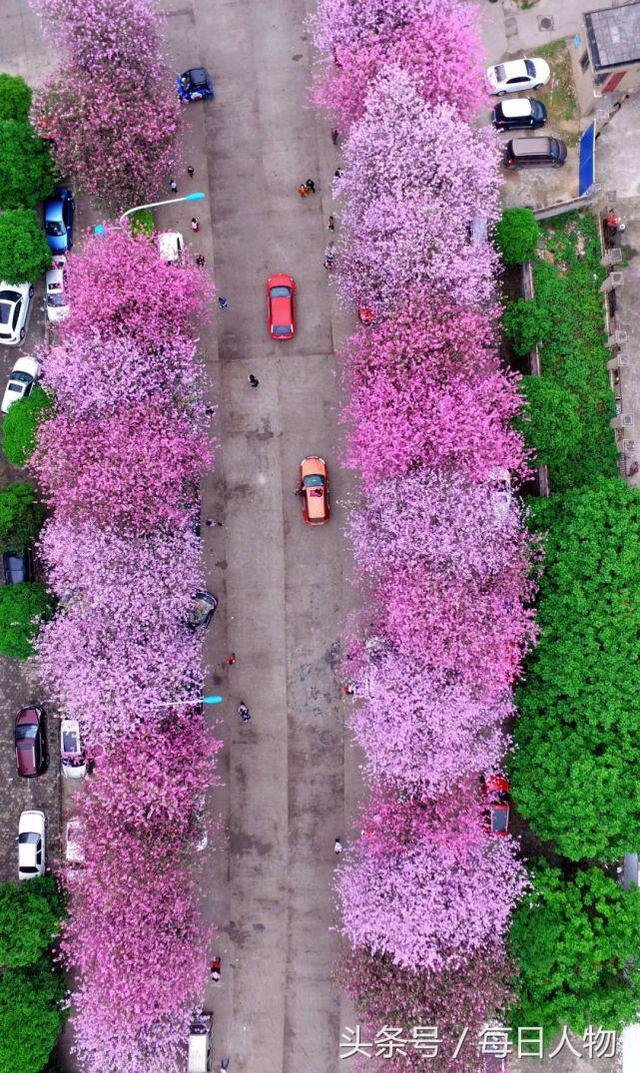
{"x":21,"y":382}
{"x":72,"y":756}
{"x":57,"y":305}
{"x":170,"y":246}
{"x":15,"y":306}
{"x":516,"y":75}
{"x":31,"y":844}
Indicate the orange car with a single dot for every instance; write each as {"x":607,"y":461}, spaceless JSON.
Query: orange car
{"x":313,"y":486}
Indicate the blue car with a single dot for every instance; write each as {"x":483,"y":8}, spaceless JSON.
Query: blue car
{"x":58,"y":219}
{"x":195,"y":85}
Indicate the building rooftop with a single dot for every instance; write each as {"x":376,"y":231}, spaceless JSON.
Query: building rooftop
{"x":614,"y":36}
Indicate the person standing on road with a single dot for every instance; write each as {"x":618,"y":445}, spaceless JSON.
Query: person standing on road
{"x":190,"y":171}
{"x":337,"y":847}
{"x":244,"y":712}
{"x":331,"y":224}
{"x":303,"y":191}
{"x":253,"y":380}
{"x":173,"y":186}
{"x":311,"y":186}
{"x":335,"y":134}
{"x":195,"y":223}
{"x":216,"y":965}
{"x":223,"y":302}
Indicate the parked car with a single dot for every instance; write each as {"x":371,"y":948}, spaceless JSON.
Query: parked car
{"x":17,"y":566}
{"x":281,"y":314}
{"x":31,"y":844}
{"x":21,"y":382}
{"x":517,"y":75}
{"x":55,"y":278}
{"x":497,"y":804}
{"x":200,"y":1042}
{"x":313,"y":486}
{"x":170,"y":246}
{"x":15,"y":306}
{"x":205,"y":604}
{"x":30,"y":742}
{"x":195,"y":84}
{"x":59,"y":210}
{"x":72,"y":756}
{"x":534,"y":152}
{"x":520,"y":113}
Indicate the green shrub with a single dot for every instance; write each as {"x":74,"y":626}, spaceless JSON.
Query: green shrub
{"x":574,"y":769}
{"x":15,"y":97}
{"x":24,"y":252}
{"x":141,"y":222}
{"x":31,"y":1017}
{"x":575,"y":949}
{"x":26,"y":169}
{"x":526,"y":324}
{"x":20,"y":426}
{"x":21,"y":516}
{"x":516,"y":235}
{"x":23,"y":607}
{"x":30,"y":915}
{"x":550,"y":420}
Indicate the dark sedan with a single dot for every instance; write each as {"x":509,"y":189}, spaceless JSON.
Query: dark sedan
{"x":522,"y":113}
{"x":30,"y":742}
{"x":205,"y":604}
{"x":17,"y":567}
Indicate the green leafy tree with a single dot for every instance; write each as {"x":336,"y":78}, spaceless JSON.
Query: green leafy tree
{"x":20,"y":426}
{"x":526,"y":324}
{"x":22,"y":609}
{"x":30,"y":915}
{"x":31,"y":1017}
{"x":550,"y":419}
{"x":574,"y":772}
{"x":26,"y":169}
{"x":575,"y":944}
{"x":15,"y":97}
{"x":21,"y":515}
{"x":24,"y":253}
{"x":516,"y":235}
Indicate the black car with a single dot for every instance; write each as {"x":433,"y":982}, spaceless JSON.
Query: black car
{"x":205,"y":604}
{"x":17,"y":567}
{"x":522,"y":113}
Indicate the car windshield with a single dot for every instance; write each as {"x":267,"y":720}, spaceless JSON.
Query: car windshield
{"x":530,"y":68}
{"x":499,"y":820}
{"x":29,"y":838}
{"x":280,"y":292}
{"x":23,"y":732}
{"x":54,"y":227}
{"x":282,"y":329}
{"x":21,"y":378}
{"x":500,"y":72}
{"x":314,"y":480}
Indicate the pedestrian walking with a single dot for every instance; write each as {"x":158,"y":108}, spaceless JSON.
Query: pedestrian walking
{"x":337,"y":173}
{"x":337,"y":847}
{"x":311,"y":186}
{"x":331,"y":223}
{"x":209,"y":410}
{"x":348,"y":690}
{"x":224,"y":1064}
{"x":244,"y":712}
{"x":216,"y":965}
{"x":335,"y":134}
{"x":200,"y":260}
{"x":195,"y":223}
{"x":190,"y":171}
{"x":231,"y":659}
{"x":253,"y":380}
{"x":222,"y":301}
{"x":302,"y":190}
{"x":212,"y":521}
{"x":173,"y":186}
{"x":329,"y":256}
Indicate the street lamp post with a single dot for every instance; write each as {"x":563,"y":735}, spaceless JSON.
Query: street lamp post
{"x":157,"y":204}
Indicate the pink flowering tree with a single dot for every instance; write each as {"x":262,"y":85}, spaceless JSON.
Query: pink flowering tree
{"x":131,"y":468}
{"x":135,"y":937}
{"x":426,"y":389}
{"x":88,"y":376}
{"x":426,"y":885}
{"x":438,"y":46}
{"x":420,"y":730}
{"x":452,"y":1000}
{"x":119,"y":288}
{"x":111,"y":108}
{"x":120,"y":645}
{"x":414,"y":181}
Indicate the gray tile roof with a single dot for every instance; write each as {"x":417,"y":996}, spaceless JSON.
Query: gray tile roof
{"x":614,"y":36}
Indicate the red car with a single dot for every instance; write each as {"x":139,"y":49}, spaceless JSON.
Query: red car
{"x":281,"y":312}
{"x":30,"y":742}
{"x":497,"y":804}
{"x":313,"y":487}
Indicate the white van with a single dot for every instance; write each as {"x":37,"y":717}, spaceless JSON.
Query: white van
{"x":170,"y":246}
{"x":200,"y":1040}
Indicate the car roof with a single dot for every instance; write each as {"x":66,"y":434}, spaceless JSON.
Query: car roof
{"x":513,"y":67}
{"x":514,"y":109}
{"x":54,"y":277}
{"x":531,"y":145}
{"x":25,"y":364}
